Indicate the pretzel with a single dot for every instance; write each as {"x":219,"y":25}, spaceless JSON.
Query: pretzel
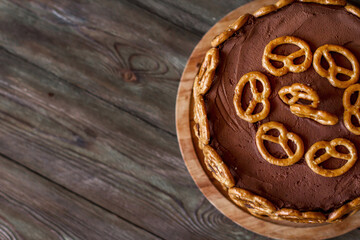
{"x":201,"y":128}
{"x":282,"y":3}
{"x":255,"y":204}
{"x":282,"y":139}
{"x":334,"y":70}
{"x":288,"y":61}
{"x":217,"y":167}
{"x":297,"y":216}
{"x":299,"y":91}
{"x":349,"y":208}
{"x":206,"y":73}
{"x":353,"y":9}
{"x":235,"y":26}
{"x":330,"y":148}
{"x":351,"y":110}
{"x":319,"y":116}
{"x":258,"y":97}
{"x":326,"y":2}
{"x":265,"y":10}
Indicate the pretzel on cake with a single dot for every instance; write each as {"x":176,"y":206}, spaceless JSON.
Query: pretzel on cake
{"x":320,"y":116}
{"x":326,"y":2}
{"x":347,"y":209}
{"x":288,"y":61}
{"x":217,"y":167}
{"x":282,"y":139}
{"x":351,"y":109}
{"x":299,"y":91}
{"x":330,"y":151}
{"x":255,"y":204}
{"x":265,"y":10}
{"x":258,"y":97}
{"x":334,"y":70}
{"x":203,"y":79}
{"x":353,"y":9}
{"x":235,"y":26}
{"x":201,"y":127}
{"x":299,"y":217}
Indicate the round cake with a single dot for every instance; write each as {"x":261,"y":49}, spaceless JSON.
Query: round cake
{"x":276,"y":111}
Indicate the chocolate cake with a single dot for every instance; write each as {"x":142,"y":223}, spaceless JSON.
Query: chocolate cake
{"x":278,"y":156}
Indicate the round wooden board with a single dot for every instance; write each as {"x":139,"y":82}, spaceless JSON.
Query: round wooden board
{"x":269,"y":229}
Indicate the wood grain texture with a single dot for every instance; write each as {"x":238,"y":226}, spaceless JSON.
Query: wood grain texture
{"x":34,"y":208}
{"x":87,"y":97}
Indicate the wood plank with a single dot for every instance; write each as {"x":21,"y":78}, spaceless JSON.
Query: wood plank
{"x":194,"y":16}
{"x":98,"y":47}
{"x":34,"y":208}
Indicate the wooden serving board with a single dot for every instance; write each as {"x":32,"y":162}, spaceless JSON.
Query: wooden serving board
{"x":270,"y":229}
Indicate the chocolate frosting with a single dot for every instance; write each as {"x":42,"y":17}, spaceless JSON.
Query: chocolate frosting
{"x":296,"y":186}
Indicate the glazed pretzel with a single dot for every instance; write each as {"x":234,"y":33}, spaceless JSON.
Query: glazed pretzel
{"x":299,"y":217}
{"x":320,"y":116}
{"x":272,"y":8}
{"x":206,"y":73}
{"x":235,"y":26}
{"x":282,"y":3}
{"x":334,"y":70}
{"x":299,"y":91}
{"x":288,"y":61}
{"x":330,"y":148}
{"x":258,"y":97}
{"x":349,"y":208}
{"x":265,"y":10}
{"x":201,"y":127}
{"x":255,"y":204}
{"x":217,"y":167}
{"x":326,"y":2}
{"x":282,"y":139}
{"x":353,"y":9}
{"x":350,"y":109}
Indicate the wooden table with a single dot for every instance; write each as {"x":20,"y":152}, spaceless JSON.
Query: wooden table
{"x":88,"y":145}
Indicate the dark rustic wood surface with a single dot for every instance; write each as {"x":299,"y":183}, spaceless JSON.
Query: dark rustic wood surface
{"x":88,"y":146}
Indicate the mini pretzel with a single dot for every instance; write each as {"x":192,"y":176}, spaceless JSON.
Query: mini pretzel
{"x":353,"y":9}
{"x":297,"y":216}
{"x":265,"y":10}
{"x":283,"y":3}
{"x":282,"y":139}
{"x":299,"y":91}
{"x":201,"y":127}
{"x":272,"y":8}
{"x":288,"y":61}
{"x":349,"y":208}
{"x":351,"y":110}
{"x":326,"y":2}
{"x":255,"y":204}
{"x":235,"y":26}
{"x":334,"y":70}
{"x":258,"y":97}
{"x":206,"y":73}
{"x":319,"y":116}
{"x":330,"y":148}
{"x":217,"y":167}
